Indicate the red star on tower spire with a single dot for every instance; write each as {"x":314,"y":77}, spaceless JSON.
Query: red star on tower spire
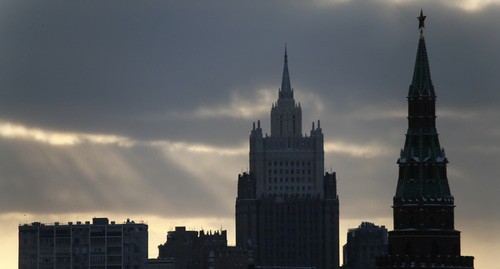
{"x":421,"y":20}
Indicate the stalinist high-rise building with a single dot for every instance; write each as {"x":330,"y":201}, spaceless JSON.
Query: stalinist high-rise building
{"x":424,"y":234}
{"x":287,"y":209}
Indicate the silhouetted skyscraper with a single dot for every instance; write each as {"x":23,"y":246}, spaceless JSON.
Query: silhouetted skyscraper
{"x":287,"y":208}
{"x":424,"y":234}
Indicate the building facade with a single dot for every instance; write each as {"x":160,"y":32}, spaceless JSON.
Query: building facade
{"x":202,"y":250}
{"x":364,"y":244}
{"x":424,"y":234}
{"x":287,"y":207}
{"x":83,"y":245}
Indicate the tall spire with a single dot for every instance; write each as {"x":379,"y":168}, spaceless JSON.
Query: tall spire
{"x":286,"y":88}
{"x":421,"y":84}
{"x":424,"y":234}
{"x":286,"y":114}
{"x":422,"y":161}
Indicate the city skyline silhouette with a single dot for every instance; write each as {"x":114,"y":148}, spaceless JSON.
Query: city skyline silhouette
{"x":142,"y":111}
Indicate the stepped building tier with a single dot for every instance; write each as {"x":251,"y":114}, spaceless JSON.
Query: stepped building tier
{"x":287,"y":208}
{"x":424,"y":234}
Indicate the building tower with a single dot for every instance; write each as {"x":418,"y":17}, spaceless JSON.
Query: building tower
{"x":287,"y":207}
{"x":424,"y":234}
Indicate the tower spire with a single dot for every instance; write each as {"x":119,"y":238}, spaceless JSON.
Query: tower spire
{"x":286,"y":88}
{"x":424,"y":234}
{"x":421,"y":84}
{"x":421,"y":153}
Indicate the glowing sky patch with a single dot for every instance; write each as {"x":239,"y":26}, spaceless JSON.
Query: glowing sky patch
{"x":240,"y":107}
{"x":19,"y":131}
{"x":355,"y":150}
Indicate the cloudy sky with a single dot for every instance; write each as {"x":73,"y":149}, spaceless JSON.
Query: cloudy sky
{"x":142,"y":109}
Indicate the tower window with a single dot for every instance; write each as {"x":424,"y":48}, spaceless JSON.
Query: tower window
{"x":281,"y":124}
{"x":408,"y":248}
{"x":435,"y":248}
{"x":411,"y":222}
{"x":432,"y":222}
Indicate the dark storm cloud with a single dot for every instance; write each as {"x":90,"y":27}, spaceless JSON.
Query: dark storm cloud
{"x":112,"y":67}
